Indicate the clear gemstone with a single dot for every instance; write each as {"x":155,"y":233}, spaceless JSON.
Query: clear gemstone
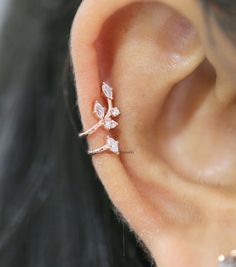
{"x":113,"y":145}
{"x":107,"y":90}
{"x":115,"y":112}
{"x":110,"y":124}
{"x":99,"y":110}
{"x":227,"y":261}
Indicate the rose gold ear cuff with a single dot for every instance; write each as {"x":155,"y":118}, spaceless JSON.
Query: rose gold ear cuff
{"x":105,"y":117}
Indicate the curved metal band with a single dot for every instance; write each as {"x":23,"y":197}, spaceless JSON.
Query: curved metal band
{"x":92,"y":130}
{"x":99,"y":150}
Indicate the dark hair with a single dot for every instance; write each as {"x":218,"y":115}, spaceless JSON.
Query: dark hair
{"x":53,"y":210}
{"x":224,"y":12}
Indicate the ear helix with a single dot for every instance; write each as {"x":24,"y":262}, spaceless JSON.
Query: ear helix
{"x":105,"y":117}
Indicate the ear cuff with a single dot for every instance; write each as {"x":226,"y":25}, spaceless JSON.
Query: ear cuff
{"x":106,"y":116}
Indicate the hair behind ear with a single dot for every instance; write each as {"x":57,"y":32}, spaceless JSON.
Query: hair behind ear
{"x":54,"y":211}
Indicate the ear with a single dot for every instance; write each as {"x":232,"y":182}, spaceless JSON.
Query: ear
{"x":152,"y":56}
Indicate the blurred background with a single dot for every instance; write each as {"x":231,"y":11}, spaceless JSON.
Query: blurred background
{"x":3,"y":10}
{"x":54,"y":211}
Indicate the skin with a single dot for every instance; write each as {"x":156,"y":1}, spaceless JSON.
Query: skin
{"x":175,"y":86}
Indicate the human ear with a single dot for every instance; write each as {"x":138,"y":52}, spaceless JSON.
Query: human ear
{"x":153,"y":56}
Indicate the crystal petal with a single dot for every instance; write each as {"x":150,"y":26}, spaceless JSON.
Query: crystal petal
{"x":110,"y":124}
{"x":107,"y":90}
{"x":115,"y":112}
{"x":113,"y":145}
{"x":99,"y":110}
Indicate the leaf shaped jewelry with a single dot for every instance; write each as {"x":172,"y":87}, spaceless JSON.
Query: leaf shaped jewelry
{"x":107,"y":90}
{"x":99,"y":110}
{"x":115,"y":112}
{"x":110,"y":124}
{"x":105,"y":119}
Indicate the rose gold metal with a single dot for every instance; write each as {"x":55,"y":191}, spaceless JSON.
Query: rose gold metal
{"x":106,"y":120}
{"x":110,"y":106}
{"x":99,"y":150}
{"x":92,"y":129}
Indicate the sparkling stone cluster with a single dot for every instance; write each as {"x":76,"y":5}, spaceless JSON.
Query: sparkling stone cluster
{"x":107,"y":115}
{"x":113,"y":145}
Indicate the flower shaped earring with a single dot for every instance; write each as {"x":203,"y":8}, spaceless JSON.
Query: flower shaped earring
{"x":106,"y":120}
